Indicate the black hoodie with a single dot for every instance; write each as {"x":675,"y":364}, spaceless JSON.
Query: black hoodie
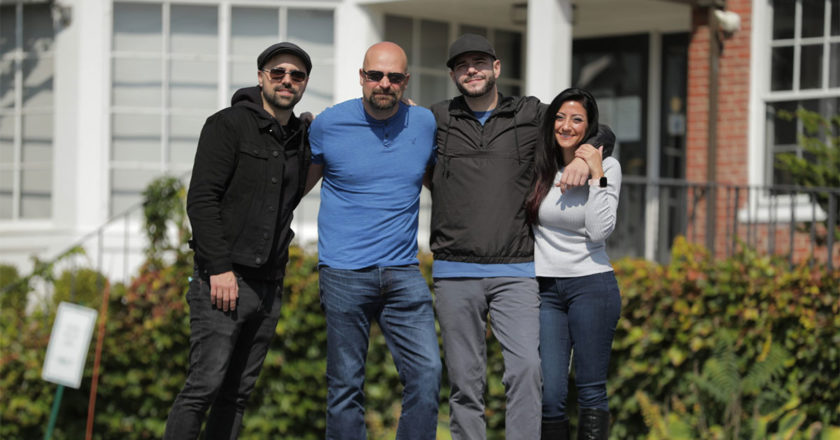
{"x":248,"y":176}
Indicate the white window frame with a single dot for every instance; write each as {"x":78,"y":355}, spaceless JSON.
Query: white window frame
{"x":763,"y":207}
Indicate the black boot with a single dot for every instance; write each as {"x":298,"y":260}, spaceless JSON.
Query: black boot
{"x":593,"y":424}
{"x":555,"y":430}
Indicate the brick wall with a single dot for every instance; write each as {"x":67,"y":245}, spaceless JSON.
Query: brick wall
{"x":731,"y":115}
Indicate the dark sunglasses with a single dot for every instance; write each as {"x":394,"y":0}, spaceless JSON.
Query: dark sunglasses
{"x":277,"y":74}
{"x":376,"y":76}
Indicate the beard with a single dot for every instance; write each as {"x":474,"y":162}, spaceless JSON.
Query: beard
{"x":281,"y":102}
{"x":490,"y":82}
{"x":381,"y":102}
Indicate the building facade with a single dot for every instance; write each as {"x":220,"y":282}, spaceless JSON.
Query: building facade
{"x":99,"y":97}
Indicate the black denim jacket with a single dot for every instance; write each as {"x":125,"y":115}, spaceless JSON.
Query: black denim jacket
{"x":235,"y":190}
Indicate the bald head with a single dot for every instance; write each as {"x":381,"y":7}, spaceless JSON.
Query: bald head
{"x":386,"y":52}
{"x":383,"y":77}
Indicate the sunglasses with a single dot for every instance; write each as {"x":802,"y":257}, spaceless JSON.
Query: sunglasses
{"x":376,"y":76}
{"x":277,"y":74}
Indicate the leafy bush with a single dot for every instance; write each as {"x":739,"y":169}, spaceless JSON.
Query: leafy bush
{"x":669,"y":329}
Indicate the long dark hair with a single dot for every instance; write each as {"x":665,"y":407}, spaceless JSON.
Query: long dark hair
{"x":547,"y":161}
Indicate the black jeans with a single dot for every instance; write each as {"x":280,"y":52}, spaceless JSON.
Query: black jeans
{"x":227,"y":350}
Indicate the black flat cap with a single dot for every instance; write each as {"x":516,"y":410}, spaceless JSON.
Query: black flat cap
{"x":284,"y":47}
{"x":469,"y":43}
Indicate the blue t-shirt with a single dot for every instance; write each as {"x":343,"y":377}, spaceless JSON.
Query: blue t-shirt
{"x":457,"y":269}
{"x":370,"y":195}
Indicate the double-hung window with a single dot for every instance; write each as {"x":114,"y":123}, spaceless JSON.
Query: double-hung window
{"x":27,"y":40}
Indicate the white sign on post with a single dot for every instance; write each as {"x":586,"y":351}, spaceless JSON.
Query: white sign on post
{"x":68,"y":347}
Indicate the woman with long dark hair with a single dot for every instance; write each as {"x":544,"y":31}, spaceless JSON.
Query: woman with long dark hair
{"x":580,"y":300}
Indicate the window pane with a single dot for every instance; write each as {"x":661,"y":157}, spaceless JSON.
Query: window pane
{"x":399,"y":30}
{"x":137,"y":82}
{"x":319,"y":90}
{"x":243,"y":74}
{"x":813,"y":18}
{"x":835,"y":17}
{"x":7,"y":139}
{"x":834,"y":65}
{"x":36,"y":187}
{"x":37,"y":139}
{"x":137,"y":27}
{"x":183,"y":138}
{"x":37,"y":28}
{"x":508,"y":47}
{"x":194,"y":30}
{"x":38,"y":83}
{"x":193,"y":84}
{"x":785,"y":133}
{"x":312,"y":30}
{"x":252,"y":30}
{"x":136,"y":138}
{"x":781,"y":76}
{"x":127,"y":186}
{"x":784,"y":130}
{"x":6,"y":180}
{"x":780,"y":176}
{"x":432,"y":89}
{"x":7,"y":84}
{"x":434,"y":43}
{"x":810,"y":74}
{"x":7,"y":28}
{"x":784,"y":16}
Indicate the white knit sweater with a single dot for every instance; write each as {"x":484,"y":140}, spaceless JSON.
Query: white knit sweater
{"x":574,"y":225}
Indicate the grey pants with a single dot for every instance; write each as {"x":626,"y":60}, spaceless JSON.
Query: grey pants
{"x":513,"y":304}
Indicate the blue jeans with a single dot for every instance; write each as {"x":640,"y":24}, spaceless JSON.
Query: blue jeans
{"x":227,"y":350}
{"x":399,"y":300}
{"x":580,"y":313}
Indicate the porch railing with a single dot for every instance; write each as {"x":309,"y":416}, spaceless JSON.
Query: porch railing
{"x":797,"y":222}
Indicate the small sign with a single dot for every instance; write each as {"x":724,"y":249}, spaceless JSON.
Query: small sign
{"x":68,"y":347}
{"x":676,"y":124}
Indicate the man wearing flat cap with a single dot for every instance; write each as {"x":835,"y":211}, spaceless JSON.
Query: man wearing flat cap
{"x":248,"y":177}
{"x":482,"y":243}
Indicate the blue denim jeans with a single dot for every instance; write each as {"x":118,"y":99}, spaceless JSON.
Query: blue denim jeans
{"x":227,"y":350}
{"x":399,"y":300}
{"x":580,"y":313}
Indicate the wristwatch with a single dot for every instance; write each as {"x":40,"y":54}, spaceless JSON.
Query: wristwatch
{"x":602,"y":182}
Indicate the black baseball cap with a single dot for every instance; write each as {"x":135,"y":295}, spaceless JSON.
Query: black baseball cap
{"x":469,"y":43}
{"x":284,"y":47}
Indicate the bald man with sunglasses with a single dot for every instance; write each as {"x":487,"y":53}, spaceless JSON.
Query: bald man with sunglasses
{"x":372,"y":153}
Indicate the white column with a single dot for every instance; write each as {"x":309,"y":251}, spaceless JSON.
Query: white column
{"x":654,"y":147}
{"x":356,"y":29}
{"x":82,"y":89}
{"x":549,"y":48}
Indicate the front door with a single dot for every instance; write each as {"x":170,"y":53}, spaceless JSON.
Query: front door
{"x":615,"y":71}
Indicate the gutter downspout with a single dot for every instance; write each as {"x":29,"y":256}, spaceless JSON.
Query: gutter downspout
{"x":711,"y":161}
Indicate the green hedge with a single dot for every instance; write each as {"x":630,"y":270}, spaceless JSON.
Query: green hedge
{"x":672,"y":319}
{"x":674,"y":316}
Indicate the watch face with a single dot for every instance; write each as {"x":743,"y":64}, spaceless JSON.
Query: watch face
{"x":603,"y":182}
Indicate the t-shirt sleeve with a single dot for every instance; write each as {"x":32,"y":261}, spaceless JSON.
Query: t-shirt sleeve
{"x":316,"y":141}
